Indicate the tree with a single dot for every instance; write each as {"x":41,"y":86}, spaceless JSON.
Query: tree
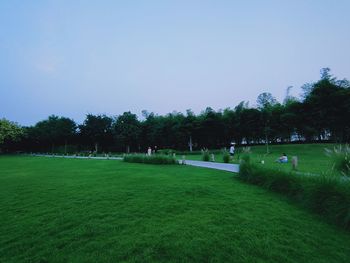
{"x":266,"y":102}
{"x":66,"y":131}
{"x":329,"y":108}
{"x":9,"y":131}
{"x":52,"y":131}
{"x":230,"y":122}
{"x":210,"y":128}
{"x":127,"y":130}
{"x":325,"y":74}
{"x":97,"y":130}
{"x":188,"y":128}
{"x":250,"y":125}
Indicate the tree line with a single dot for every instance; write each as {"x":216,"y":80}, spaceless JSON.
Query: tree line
{"x":320,"y":114}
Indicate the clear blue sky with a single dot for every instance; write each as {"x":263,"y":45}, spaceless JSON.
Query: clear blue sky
{"x":71,"y":58}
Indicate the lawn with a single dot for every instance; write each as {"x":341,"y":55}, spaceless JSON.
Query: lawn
{"x":311,"y":157}
{"x":70,"y":210}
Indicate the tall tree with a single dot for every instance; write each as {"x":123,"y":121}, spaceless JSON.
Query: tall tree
{"x":9,"y":132}
{"x":52,"y":132}
{"x":97,"y":130}
{"x":266,"y":102}
{"x":127,"y":130}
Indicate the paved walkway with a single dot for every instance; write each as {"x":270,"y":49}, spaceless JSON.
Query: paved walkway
{"x":230,"y":167}
{"x":218,"y":166}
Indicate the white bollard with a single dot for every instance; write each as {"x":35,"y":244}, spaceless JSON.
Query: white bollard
{"x":212,"y":156}
{"x":294,"y":162}
{"x":183,"y":160}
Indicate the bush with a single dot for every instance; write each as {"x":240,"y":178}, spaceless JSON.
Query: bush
{"x":327,"y":195}
{"x":341,"y":158}
{"x":166,"y":151}
{"x":153,"y":159}
{"x":225,"y":156}
{"x":205,"y":156}
{"x":68,"y":149}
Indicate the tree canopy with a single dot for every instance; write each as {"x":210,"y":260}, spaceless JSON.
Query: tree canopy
{"x":320,"y":114}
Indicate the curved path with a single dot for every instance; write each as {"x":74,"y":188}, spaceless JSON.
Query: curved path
{"x":230,"y":167}
{"x":212,"y":165}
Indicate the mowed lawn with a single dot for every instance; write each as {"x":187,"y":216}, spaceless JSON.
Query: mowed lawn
{"x":70,"y":210}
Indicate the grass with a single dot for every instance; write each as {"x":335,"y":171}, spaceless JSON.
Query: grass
{"x":73,"y":210}
{"x":311,"y":157}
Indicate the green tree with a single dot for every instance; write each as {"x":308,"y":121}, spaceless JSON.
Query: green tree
{"x":266,"y":102}
{"x":9,"y":131}
{"x":54,"y":131}
{"x":188,"y":128}
{"x":96,"y":131}
{"x":127,"y":130}
{"x":329,"y":108}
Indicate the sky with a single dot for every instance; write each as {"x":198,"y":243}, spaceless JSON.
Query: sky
{"x":71,"y":58}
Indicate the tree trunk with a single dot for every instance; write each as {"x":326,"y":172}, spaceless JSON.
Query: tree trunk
{"x":96,"y":147}
{"x":127,"y":149}
{"x":65,"y":147}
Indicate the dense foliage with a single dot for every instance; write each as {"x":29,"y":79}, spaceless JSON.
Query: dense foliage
{"x":10,"y":133}
{"x":321,"y":114}
{"x":152,"y":159}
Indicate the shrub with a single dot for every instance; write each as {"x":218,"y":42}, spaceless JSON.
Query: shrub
{"x":166,"y":151}
{"x":341,"y":158}
{"x":153,"y":159}
{"x":327,"y":195}
{"x":68,"y":149}
{"x":205,"y":155}
{"x":225,"y":156}
{"x":245,"y":168}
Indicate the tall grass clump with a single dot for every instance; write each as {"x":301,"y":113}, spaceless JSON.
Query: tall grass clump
{"x":166,"y":151}
{"x":274,"y":180}
{"x":153,"y":159}
{"x":327,"y":195}
{"x":340,"y":156}
{"x":205,"y":155}
{"x":225,"y":156}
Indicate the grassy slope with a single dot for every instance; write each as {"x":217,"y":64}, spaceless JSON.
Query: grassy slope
{"x":311,"y":157}
{"x":61,"y":210}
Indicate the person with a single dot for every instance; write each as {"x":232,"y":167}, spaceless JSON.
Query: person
{"x":283,"y":158}
{"x":149,"y":151}
{"x":232,"y":149}
{"x":155,"y":149}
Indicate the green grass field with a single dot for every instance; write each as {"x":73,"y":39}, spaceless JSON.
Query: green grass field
{"x":69,"y":210}
{"x":311,"y":157}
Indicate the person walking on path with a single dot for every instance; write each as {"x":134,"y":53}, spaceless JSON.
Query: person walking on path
{"x":232,"y":149}
{"x":149,"y":151}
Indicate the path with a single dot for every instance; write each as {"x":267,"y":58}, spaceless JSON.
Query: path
{"x":230,"y":167}
{"x":212,"y":165}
